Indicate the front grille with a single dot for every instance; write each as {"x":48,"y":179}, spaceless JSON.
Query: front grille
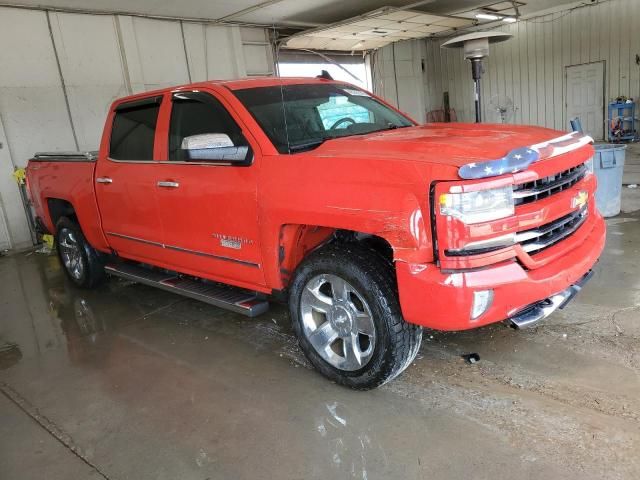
{"x":540,"y":238}
{"x":547,"y":186}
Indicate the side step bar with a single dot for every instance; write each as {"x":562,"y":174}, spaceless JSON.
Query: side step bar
{"x":235,"y":299}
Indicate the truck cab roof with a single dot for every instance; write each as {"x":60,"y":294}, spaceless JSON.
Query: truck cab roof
{"x":237,"y":84}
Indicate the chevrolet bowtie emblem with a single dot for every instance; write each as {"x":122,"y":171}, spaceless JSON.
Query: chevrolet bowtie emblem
{"x":580,"y":200}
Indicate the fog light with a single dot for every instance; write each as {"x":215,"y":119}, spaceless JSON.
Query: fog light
{"x":482,"y":300}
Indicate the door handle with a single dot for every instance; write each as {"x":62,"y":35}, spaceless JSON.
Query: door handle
{"x":103,"y":180}
{"x":168,"y":184}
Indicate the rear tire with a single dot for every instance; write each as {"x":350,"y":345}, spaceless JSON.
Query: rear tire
{"x":346,"y":314}
{"x":80,"y":261}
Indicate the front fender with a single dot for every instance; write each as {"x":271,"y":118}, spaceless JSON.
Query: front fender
{"x":388,"y":199}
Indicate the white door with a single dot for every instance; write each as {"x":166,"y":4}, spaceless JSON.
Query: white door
{"x":585,"y":97}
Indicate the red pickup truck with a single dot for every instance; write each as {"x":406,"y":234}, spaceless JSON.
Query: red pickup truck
{"x":238,"y":192}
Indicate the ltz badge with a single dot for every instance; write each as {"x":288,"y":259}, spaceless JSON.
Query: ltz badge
{"x":228,"y":241}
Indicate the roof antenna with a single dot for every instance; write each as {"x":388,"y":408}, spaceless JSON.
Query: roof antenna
{"x":284,"y":109}
{"x":325,"y":75}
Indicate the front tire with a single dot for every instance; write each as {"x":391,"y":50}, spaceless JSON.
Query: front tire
{"x":346,"y":314}
{"x":80,"y":261}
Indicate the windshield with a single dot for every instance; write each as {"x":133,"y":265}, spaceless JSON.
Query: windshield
{"x":301,"y":117}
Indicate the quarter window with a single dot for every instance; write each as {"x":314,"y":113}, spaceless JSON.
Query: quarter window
{"x":133,"y":131}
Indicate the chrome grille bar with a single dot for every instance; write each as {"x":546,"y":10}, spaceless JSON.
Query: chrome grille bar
{"x":537,"y":239}
{"x":547,"y":186}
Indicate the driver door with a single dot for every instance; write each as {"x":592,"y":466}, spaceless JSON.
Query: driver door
{"x":207,"y":192}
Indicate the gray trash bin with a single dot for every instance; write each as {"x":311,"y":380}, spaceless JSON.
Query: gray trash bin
{"x":608,"y":163}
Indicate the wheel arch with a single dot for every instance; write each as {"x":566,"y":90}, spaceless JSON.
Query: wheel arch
{"x":58,"y":208}
{"x":79,"y":205}
{"x":297,"y":241}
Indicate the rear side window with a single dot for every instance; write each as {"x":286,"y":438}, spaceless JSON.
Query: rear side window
{"x":134,"y":128}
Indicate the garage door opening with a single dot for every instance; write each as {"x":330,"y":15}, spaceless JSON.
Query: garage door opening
{"x":344,"y":67}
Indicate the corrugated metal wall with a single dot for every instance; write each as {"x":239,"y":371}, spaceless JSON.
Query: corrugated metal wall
{"x":530,"y":68}
{"x":398,"y":77}
{"x":60,"y":71}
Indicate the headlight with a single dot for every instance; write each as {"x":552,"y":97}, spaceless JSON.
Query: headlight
{"x":480,"y":206}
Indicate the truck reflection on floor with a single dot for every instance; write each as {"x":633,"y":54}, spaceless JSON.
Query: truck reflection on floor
{"x":43,"y":312}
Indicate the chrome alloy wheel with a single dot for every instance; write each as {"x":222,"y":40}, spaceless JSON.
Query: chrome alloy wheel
{"x":70,"y":251}
{"x":337,"y":322}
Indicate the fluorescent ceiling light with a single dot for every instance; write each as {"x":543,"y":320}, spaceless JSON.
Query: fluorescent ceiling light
{"x":509,"y":20}
{"x":487,"y":16}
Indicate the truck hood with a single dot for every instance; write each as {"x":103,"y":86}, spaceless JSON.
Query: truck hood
{"x":452,"y":144}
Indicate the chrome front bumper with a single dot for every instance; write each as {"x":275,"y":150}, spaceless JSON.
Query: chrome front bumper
{"x":536,"y":312}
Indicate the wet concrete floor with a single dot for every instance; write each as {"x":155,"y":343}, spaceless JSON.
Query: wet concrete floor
{"x":129,"y":382}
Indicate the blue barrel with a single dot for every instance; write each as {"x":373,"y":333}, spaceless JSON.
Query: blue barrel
{"x":608,"y":164}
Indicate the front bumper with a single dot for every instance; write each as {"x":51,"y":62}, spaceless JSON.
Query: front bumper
{"x":443,"y":301}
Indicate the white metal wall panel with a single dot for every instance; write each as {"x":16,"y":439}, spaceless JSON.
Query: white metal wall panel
{"x":195,"y":45}
{"x":95,"y":59}
{"x":258,"y":52}
{"x":384,"y":83}
{"x":398,"y":68}
{"x":158,"y":47}
{"x":11,"y":210}
{"x":92,"y":70}
{"x":224,"y":55}
{"x":530,"y":67}
{"x":32,"y":103}
{"x":5,"y":241}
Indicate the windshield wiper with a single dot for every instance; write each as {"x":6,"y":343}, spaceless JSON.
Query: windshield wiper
{"x":307,"y":145}
{"x":393,"y":126}
{"x":311,"y":144}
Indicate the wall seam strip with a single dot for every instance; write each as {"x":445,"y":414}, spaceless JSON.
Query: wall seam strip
{"x":206,"y":51}
{"x":395,"y":73}
{"x":123,"y":55}
{"x":186,"y":55}
{"x":14,"y":165}
{"x":64,"y":86}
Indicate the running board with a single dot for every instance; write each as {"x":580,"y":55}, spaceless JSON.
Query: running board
{"x":231,"y":298}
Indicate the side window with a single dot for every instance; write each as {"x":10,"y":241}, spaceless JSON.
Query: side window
{"x":133,"y":130}
{"x":202,"y":129}
{"x":339,"y":112}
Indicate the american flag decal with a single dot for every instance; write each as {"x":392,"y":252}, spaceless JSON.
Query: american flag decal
{"x":514,"y":161}
{"x":520,"y":158}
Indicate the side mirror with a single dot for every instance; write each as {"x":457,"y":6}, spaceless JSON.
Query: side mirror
{"x":213,"y":147}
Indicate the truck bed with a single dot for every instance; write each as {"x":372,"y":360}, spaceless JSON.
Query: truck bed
{"x":57,"y":178}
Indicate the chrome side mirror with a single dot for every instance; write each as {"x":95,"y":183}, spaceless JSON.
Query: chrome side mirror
{"x":213,"y":147}
{"x":206,"y":141}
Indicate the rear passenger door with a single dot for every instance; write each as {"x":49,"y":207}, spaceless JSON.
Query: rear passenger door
{"x":125,"y":182}
{"x":208,"y":201}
